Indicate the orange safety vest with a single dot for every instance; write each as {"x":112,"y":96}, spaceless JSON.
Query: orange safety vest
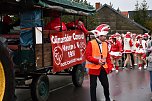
{"x":96,"y":54}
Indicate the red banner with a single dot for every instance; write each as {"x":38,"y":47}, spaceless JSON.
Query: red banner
{"x":68,"y":49}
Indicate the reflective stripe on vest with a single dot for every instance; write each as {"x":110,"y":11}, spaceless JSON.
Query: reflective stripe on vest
{"x":96,"y":54}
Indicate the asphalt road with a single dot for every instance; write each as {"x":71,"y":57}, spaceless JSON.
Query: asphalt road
{"x":127,"y":85}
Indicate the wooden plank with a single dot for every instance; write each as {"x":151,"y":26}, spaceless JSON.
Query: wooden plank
{"x":47,"y":55}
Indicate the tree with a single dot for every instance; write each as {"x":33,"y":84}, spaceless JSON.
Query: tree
{"x":148,"y":24}
{"x":143,"y":11}
{"x":141,"y":14}
{"x":111,"y":5}
{"x":76,"y":0}
{"x":93,"y":21}
{"x":137,"y":6}
{"x":81,"y":1}
{"x":85,"y":2}
{"x":118,"y":9}
{"x":136,"y":15}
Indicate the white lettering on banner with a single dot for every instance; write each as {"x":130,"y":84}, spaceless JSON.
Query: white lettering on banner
{"x":78,"y":37}
{"x":58,"y":55}
{"x":70,"y":62}
{"x":71,"y":53}
{"x":66,"y":38}
{"x":78,"y":45}
{"x":81,"y":45}
{"x":67,"y":48}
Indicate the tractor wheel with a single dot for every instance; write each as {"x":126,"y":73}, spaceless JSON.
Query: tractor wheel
{"x":78,"y":75}
{"x":7,"y":88}
{"x":40,"y":88}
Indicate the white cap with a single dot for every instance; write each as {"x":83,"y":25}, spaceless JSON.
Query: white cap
{"x":102,"y":29}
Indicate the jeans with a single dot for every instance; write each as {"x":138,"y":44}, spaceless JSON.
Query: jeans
{"x":104,"y":82}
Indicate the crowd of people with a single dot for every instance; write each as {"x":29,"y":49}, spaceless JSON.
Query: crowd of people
{"x":103,"y":55}
{"x":130,"y":48}
{"x":57,"y":25}
{"x":129,"y":45}
{"x":127,"y":49}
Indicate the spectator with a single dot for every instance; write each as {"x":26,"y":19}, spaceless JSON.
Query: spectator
{"x":149,"y":58}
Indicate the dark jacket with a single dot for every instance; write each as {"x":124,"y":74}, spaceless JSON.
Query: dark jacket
{"x":149,"y":55}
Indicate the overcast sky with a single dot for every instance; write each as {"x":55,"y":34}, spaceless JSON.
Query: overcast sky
{"x":124,"y":5}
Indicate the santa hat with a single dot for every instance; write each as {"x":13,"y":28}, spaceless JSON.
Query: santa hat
{"x":134,"y":34}
{"x":128,"y":35}
{"x":139,"y":36}
{"x":102,"y":29}
{"x":113,"y":36}
{"x":117,"y":34}
{"x":146,"y":35}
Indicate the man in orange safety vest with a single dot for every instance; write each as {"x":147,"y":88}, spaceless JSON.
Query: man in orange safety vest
{"x":98,"y":61}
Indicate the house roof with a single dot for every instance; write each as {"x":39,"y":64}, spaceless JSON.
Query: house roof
{"x":67,"y":6}
{"x":125,"y":13}
{"x":134,"y":23}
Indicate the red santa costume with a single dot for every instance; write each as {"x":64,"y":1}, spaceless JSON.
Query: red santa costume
{"x":146,"y":38}
{"x":118,"y":37}
{"x":141,"y":45}
{"x":115,"y":52}
{"x":109,"y":41}
{"x":55,"y":24}
{"x":127,"y":48}
{"x":141,"y":50}
{"x":77,"y":24}
{"x":134,"y":41}
{"x":133,"y":48}
{"x":127,"y":43}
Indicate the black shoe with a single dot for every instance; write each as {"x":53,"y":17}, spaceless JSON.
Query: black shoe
{"x":108,"y":100}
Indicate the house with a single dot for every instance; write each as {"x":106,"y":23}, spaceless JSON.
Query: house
{"x":117,"y":21}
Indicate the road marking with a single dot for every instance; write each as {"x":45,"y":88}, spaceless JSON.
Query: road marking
{"x":60,"y":87}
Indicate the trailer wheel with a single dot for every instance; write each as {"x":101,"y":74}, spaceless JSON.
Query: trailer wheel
{"x":40,"y":88}
{"x":78,"y":75}
{"x":7,"y":88}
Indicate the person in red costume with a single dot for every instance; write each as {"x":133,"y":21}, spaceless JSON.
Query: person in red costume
{"x":98,"y":61}
{"x":55,"y":24}
{"x":78,"y":24}
{"x":127,"y":49}
{"x":6,"y":26}
{"x":134,"y":41}
{"x":115,"y":52}
{"x":140,"y":51}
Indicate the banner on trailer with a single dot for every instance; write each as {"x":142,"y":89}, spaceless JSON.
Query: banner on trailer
{"x":68,"y":48}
